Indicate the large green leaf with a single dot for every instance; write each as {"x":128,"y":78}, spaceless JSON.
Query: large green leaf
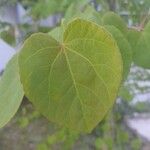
{"x":124,"y":47}
{"x":142,"y":49}
{"x":11,"y":91}
{"x":73,"y":83}
{"x":110,"y":18}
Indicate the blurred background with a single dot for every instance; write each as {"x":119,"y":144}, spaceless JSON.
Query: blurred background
{"x":126,"y":126}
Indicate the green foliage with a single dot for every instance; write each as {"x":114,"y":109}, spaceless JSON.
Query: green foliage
{"x":140,"y":43}
{"x":72,"y":75}
{"x":142,"y":49}
{"x":141,"y":107}
{"x":65,"y":93}
{"x":93,"y":15}
{"x":136,"y":144}
{"x":133,"y":36}
{"x":49,"y":7}
{"x":100,"y":144}
{"x":124,"y":47}
{"x":52,"y":7}
{"x":125,"y":94}
{"x":64,"y":137}
{"x":26,"y":116}
{"x":42,"y":146}
{"x":110,"y":18}
{"x":114,"y":24}
{"x":11,"y":92}
{"x":111,"y":133}
{"x":8,"y":36}
{"x":23,"y":122}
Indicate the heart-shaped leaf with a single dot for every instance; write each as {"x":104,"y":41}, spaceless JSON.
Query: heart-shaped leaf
{"x":11,"y":91}
{"x":73,"y":83}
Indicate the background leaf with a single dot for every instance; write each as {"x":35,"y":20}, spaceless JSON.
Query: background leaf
{"x":11,"y":92}
{"x":110,"y":18}
{"x":124,"y":47}
{"x":93,"y":15}
{"x":133,"y":36}
{"x":142,"y":49}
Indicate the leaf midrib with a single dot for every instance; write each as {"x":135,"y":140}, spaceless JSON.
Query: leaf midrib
{"x":75,"y":85}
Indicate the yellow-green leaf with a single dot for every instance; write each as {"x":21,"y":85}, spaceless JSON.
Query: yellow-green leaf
{"x":73,"y":83}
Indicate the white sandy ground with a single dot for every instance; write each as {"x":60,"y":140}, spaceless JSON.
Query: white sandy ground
{"x":6,"y":52}
{"x":141,"y":125}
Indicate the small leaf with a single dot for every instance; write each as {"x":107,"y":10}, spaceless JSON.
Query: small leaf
{"x":56,"y":33}
{"x":133,"y":36}
{"x":112,"y":18}
{"x":124,"y":47}
{"x":93,"y":15}
{"x":72,"y":10}
{"x":76,"y":82}
{"x":142,"y":49}
{"x":11,"y":91}
{"x":75,"y":8}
